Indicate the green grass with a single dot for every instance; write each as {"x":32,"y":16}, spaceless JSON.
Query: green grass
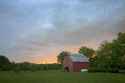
{"x":60,"y":77}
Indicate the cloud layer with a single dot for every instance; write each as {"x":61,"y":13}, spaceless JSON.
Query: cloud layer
{"x":31,"y":30}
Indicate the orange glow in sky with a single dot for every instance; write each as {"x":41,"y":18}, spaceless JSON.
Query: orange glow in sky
{"x":52,"y":56}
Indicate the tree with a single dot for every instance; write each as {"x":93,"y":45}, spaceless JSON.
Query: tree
{"x":4,"y":60}
{"x":4,"y":63}
{"x":60,"y":57}
{"x":119,"y":50}
{"x":111,"y":55}
{"x":104,"y":55}
{"x":89,"y":52}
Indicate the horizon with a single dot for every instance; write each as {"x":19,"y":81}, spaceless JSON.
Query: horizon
{"x":38,"y":30}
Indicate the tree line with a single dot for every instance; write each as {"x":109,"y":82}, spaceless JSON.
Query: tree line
{"x":6,"y":65}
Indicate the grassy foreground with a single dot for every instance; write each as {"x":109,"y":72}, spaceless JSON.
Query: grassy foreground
{"x":60,"y":77}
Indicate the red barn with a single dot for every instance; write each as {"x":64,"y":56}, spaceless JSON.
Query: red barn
{"x":75,"y":62}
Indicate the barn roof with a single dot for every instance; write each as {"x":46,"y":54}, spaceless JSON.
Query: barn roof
{"x":77,"y":57}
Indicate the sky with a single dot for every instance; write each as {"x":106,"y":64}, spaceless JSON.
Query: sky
{"x":38,"y":30}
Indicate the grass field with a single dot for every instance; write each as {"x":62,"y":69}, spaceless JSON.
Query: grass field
{"x":60,"y":77}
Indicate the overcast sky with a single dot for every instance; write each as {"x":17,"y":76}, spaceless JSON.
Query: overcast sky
{"x":36,"y":30}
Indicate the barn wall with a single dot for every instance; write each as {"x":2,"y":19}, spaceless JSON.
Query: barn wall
{"x":68,"y":63}
{"x":77,"y":66}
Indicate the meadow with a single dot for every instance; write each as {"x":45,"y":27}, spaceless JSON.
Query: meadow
{"x":60,"y":77}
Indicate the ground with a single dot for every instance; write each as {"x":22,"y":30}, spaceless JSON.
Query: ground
{"x":60,"y":77}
